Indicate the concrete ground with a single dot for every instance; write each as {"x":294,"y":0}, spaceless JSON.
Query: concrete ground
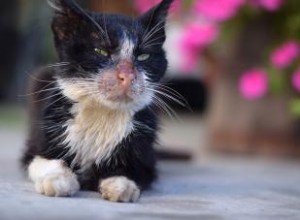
{"x":207,"y":189}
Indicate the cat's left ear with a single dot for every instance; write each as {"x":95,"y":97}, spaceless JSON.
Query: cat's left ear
{"x":155,"y":19}
{"x":68,"y":16}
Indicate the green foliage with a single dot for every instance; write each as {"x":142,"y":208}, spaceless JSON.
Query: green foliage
{"x":277,"y":82}
{"x":284,"y":25}
{"x":295,"y":107}
{"x":285,"y":22}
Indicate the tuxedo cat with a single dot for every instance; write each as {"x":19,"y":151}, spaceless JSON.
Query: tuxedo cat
{"x":92,"y":123}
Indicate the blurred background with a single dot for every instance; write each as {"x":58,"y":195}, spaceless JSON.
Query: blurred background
{"x":236,"y":62}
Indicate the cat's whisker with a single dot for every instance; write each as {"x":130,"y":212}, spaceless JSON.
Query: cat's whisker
{"x":40,"y":91}
{"x":160,"y":25}
{"x":53,"y":5}
{"x":58,"y":64}
{"x":104,"y":20}
{"x":148,"y":25}
{"x":143,"y":126}
{"x":151,"y":45}
{"x":49,"y":97}
{"x":174,"y":93}
{"x":153,"y":41}
{"x":163,"y":109}
{"x":168,"y":97}
{"x":167,"y":89}
{"x":41,"y":80}
{"x":52,"y":103}
{"x":149,"y":40}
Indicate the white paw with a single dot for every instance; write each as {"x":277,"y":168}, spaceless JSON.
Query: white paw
{"x":119,"y":189}
{"x":52,"y":177}
{"x":58,"y":185}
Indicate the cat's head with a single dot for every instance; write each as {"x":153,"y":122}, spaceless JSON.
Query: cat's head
{"x":114,"y":60}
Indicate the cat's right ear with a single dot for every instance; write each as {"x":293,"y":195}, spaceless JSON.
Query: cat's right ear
{"x":154,"y":20}
{"x":68,"y":16}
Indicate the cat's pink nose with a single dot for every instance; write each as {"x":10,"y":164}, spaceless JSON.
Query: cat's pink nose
{"x":125,"y":73}
{"x":126,"y":79}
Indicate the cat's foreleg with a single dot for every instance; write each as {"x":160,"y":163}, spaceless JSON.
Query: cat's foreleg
{"x":52,"y":177}
{"x":119,"y":189}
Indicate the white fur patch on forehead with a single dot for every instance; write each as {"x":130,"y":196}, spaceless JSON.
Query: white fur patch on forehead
{"x":127,"y":47}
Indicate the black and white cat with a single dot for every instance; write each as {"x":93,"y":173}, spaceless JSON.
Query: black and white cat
{"x":92,"y":126}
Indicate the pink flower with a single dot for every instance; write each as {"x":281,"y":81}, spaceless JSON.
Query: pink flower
{"x":270,"y":5}
{"x":296,"y":80}
{"x":218,"y":10}
{"x":144,"y":5}
{"x":284,"y":56}
{"x":195,"y":37}
{"x":253,"y":84}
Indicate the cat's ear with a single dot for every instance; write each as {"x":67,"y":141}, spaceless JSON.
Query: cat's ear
{"x":155,"y":18}
{"x":68,"y":16}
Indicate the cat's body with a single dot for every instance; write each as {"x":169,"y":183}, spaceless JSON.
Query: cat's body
{"x":92,"y":125}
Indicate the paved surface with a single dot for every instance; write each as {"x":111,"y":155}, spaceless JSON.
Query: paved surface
{"x":214,"y":189}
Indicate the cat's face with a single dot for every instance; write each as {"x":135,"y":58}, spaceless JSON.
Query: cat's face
{"x":114,"y":60}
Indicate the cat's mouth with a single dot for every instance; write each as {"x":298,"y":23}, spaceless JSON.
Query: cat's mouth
{"x":117,"y":91}
{"x":121,"y":86}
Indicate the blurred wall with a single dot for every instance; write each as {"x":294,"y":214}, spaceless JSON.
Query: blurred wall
{"x":9,"y":43}
{"x":112,"y":6}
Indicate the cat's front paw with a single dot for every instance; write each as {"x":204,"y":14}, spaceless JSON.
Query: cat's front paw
{"x":119,"y":189}
{"x":52,"y":177}
{"x":59,"y":185}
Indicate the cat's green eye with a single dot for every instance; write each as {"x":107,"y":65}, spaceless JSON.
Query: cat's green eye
{"x":143,"y":57}
{"x":101,"y":52}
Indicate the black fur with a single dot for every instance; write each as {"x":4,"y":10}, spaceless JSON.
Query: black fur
{"x":49,"y":109}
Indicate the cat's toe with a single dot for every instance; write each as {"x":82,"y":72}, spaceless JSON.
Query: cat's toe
{"x":58,"y":185}
{"x":119,"y":189}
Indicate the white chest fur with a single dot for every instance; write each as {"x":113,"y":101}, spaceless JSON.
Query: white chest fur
{"x":95,"y":131}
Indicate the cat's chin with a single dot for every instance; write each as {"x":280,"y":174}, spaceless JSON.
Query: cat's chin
{"x":126,"y":103}
{"x":129,"y":105}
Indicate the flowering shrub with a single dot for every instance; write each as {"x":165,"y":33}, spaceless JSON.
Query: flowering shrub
{"x":270,"y":5}
{"x":254,"y":84}
{"x":218,"y":10}
{"x":204,"y":23}
{"x":285,"y":55}
{"x":296,"y":80}
{"x":196,"y":37}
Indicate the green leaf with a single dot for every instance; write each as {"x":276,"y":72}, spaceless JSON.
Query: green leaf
{"x":279,"y":81}
{"x":295,"y":107}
